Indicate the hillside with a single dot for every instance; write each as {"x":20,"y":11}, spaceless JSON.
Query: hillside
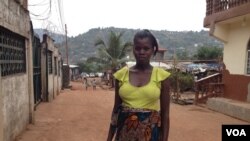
{"x":82,"y":46}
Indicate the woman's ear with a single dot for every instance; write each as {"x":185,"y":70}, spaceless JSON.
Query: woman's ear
{"x":152,"y":56}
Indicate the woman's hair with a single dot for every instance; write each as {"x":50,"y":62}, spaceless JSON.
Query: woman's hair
{"x":145,"y":33}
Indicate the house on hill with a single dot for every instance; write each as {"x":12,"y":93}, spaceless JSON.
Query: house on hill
{"x":160,"y":55}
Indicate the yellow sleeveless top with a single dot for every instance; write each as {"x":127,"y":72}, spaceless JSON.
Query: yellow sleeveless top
{"x":147,"y":96}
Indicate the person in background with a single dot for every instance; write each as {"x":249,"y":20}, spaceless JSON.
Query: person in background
{"x":142,"y":100}
{"x":94,"y":84}
{"x":85,"y":83}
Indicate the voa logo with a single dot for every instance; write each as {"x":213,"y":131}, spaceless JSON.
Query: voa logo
{"x":236,"y":132}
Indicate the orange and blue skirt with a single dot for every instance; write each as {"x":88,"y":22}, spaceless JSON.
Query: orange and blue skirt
{"x":137,"y":125}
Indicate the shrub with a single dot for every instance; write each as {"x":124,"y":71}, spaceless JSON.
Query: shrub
{"x":185,"y":81}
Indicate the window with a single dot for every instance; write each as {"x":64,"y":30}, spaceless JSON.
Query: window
{"x":55,"y":63}
{"x":50,"y":62}
{"x":59,"y":68}
{"x":248,"y":58}
{"x":12,"y":53}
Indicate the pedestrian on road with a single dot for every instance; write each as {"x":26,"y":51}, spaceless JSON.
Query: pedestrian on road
{"x":85,"y":83}
{"x":141,"y":107}
{"x":94,"y":84}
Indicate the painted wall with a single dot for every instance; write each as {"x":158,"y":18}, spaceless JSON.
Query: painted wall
{"x":235,"y":48}
{"x":235,"y":35}
{"x":236,"y":86}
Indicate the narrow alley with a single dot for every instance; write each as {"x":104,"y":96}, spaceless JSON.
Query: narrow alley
{"x":80,"y":115}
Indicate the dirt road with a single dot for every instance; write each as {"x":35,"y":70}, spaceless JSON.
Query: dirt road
{"x":80,"y":115}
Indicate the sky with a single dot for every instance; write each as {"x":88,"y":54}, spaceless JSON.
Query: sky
{"x":82,"y":15}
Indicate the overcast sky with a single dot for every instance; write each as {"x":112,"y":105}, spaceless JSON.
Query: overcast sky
{"x":82,"y":15}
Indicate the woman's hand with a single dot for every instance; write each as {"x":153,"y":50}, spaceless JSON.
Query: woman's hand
{"x":165,"y":104}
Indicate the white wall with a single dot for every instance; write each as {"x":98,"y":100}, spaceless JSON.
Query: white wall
{"x":235,"y":49}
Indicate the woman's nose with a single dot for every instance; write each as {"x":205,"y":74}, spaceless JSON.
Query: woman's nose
{"x":142,"y":51}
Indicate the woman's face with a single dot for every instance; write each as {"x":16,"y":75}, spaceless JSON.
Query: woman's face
{"x":143,"y":50}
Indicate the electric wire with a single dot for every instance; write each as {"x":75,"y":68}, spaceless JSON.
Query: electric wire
{"x":53,"y":9}
{"x":40,"y":4}
{"x":44,"y":15}
{"x":60,"y":5}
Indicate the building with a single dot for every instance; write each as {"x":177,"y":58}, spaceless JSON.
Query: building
{"x":74,"y":72}
{"x":30,"y":69}
{"x":16,"y":79}
{"x":51,"y":72}
{"x":229,"y":21}
{"x":160,"y":55}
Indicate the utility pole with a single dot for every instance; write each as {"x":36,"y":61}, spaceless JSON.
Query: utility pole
{"x":67,"y":56}
{"x":66,"y":70}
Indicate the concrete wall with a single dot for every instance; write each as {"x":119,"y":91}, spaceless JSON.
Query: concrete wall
{"x":51,"y":46}
{"x":60,"y":75}
{"x":15,"y":17}
{"x":51,"y":94}
{"x":15,"y":91}
{"x":47,"y":78}
{"x":229,"y":107}
{"x":57,"y":78}
{"x":1,"y":110}
{"x":16,"y":105}
{"x":51,"y":82}
{"x":43,"y":72}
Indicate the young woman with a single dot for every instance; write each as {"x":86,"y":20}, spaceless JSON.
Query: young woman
{"x":141,"y":107}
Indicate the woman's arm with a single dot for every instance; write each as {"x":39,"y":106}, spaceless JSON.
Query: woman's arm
{"x":165,"y":103}
{"x":117,"y":103}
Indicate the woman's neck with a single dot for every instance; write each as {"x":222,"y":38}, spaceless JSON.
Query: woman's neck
{"x":142,"y":67}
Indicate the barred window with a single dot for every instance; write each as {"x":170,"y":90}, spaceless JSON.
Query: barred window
{"x":248,"y":58}
{"x":12,"y":53}
{"x":59,"y":68}
{"x":55,"y":62}
{"x":50,"y":62}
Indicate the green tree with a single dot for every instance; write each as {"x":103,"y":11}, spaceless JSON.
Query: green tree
{"x":183,"y":54}
{"x":87,"y":67}
{"x":208,"y":53}
{"x":111,"y":53}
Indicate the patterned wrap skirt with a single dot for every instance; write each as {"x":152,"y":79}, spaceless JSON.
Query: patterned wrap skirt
{"x":136,"y":124}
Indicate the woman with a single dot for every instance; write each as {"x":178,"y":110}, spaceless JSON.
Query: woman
{"x":85,"y":83}
{"x":141,"y":108}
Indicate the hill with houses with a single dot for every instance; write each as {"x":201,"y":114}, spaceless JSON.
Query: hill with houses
{"x":82,"y":46}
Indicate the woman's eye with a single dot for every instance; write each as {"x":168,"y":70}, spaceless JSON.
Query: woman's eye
{"x":137,"y":49}
{"x":145,"y":49}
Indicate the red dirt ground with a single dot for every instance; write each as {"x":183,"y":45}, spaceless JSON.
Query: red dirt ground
{"x":80,"y":115}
